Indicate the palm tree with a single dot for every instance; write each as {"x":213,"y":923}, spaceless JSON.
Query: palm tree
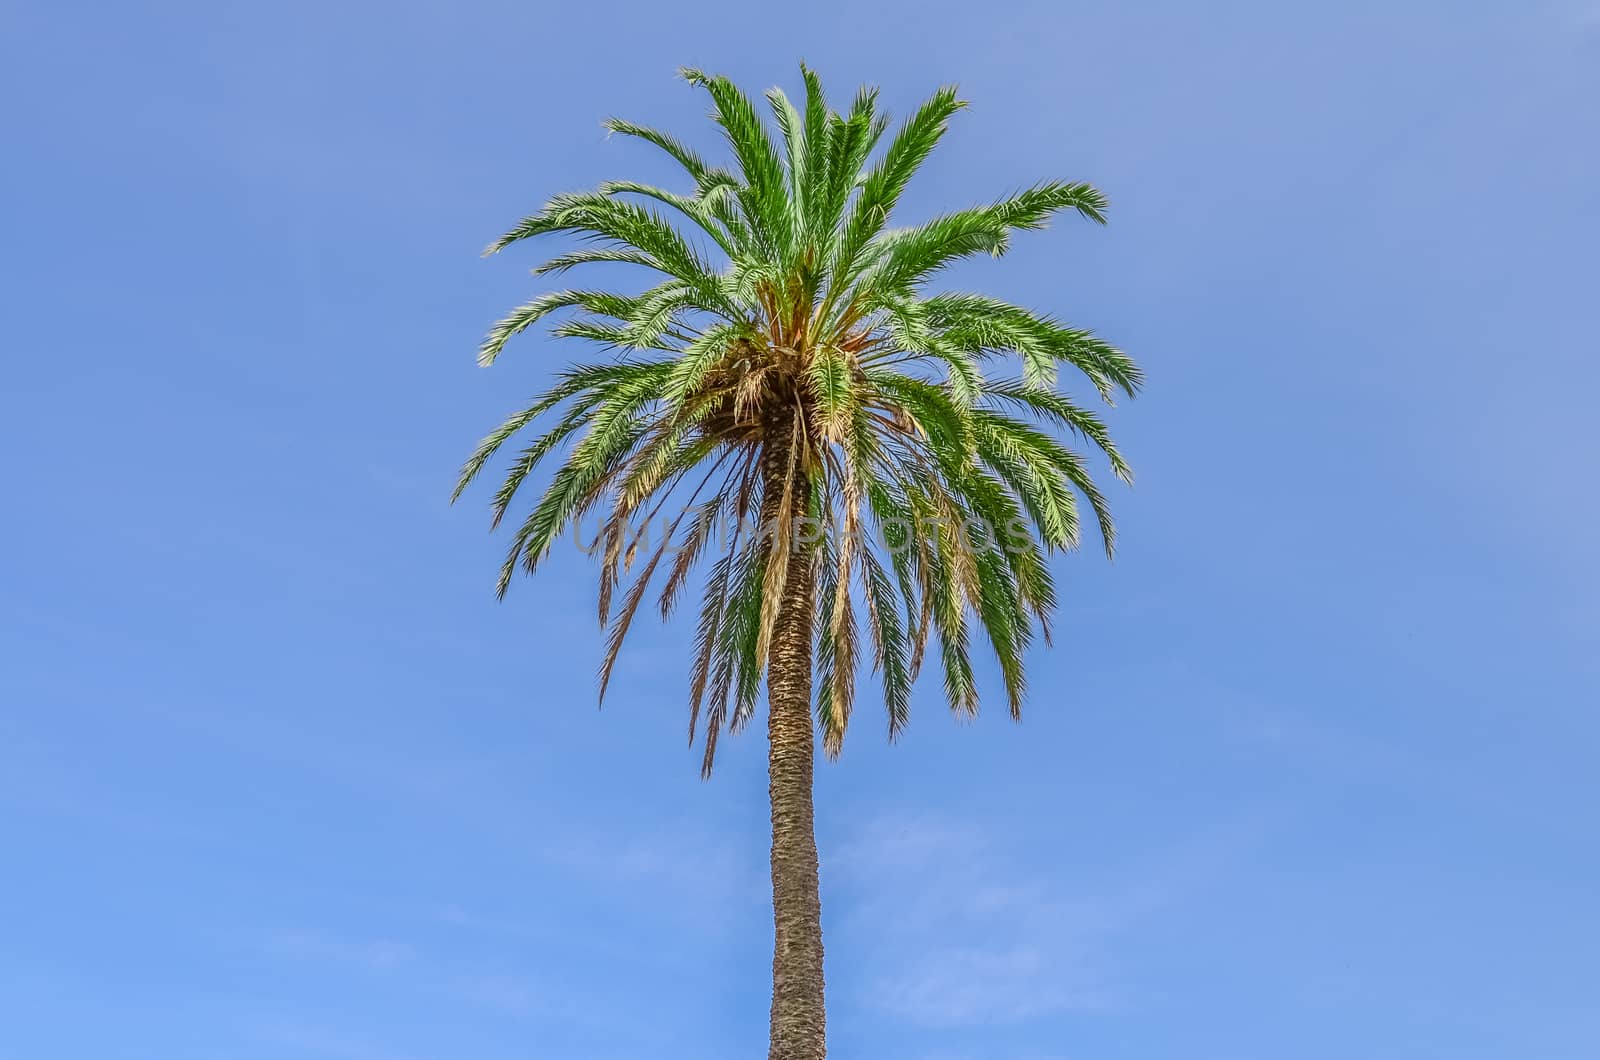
{"x":794,"y":407}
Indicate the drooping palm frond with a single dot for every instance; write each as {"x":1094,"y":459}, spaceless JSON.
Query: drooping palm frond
{"x":787,"y":367}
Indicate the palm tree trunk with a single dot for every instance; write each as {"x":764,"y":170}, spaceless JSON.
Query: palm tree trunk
{"x":799,"y":1025}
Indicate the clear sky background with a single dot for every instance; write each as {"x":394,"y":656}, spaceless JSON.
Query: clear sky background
{"x":1310,"y":773}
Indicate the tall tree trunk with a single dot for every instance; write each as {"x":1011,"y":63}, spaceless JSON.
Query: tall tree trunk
{"x":799,"y":1024}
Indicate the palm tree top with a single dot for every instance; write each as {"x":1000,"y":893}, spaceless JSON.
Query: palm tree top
{"x":899,"y":450}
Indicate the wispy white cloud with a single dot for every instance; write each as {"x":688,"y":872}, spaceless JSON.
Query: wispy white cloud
{"x":517,"y":996}
{"x":690,"y":864}
{"x":459,"y":917}
{"x":954,"y":932}
{"x":974,"y":985}
{"x":468,"y":981}
{"x":378,"y":954}
{"x":702,"y":869}
{"x":324,"y":1042}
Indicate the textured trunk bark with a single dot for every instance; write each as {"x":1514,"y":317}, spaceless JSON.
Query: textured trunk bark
{"x":799,"y":1025}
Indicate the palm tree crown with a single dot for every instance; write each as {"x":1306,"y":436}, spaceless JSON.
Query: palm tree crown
{"x":790,"y":376}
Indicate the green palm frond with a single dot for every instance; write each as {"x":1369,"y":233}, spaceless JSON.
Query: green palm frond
{"x":787,"y":367}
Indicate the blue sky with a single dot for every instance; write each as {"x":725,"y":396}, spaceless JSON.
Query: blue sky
{"x":1309,"y":773}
